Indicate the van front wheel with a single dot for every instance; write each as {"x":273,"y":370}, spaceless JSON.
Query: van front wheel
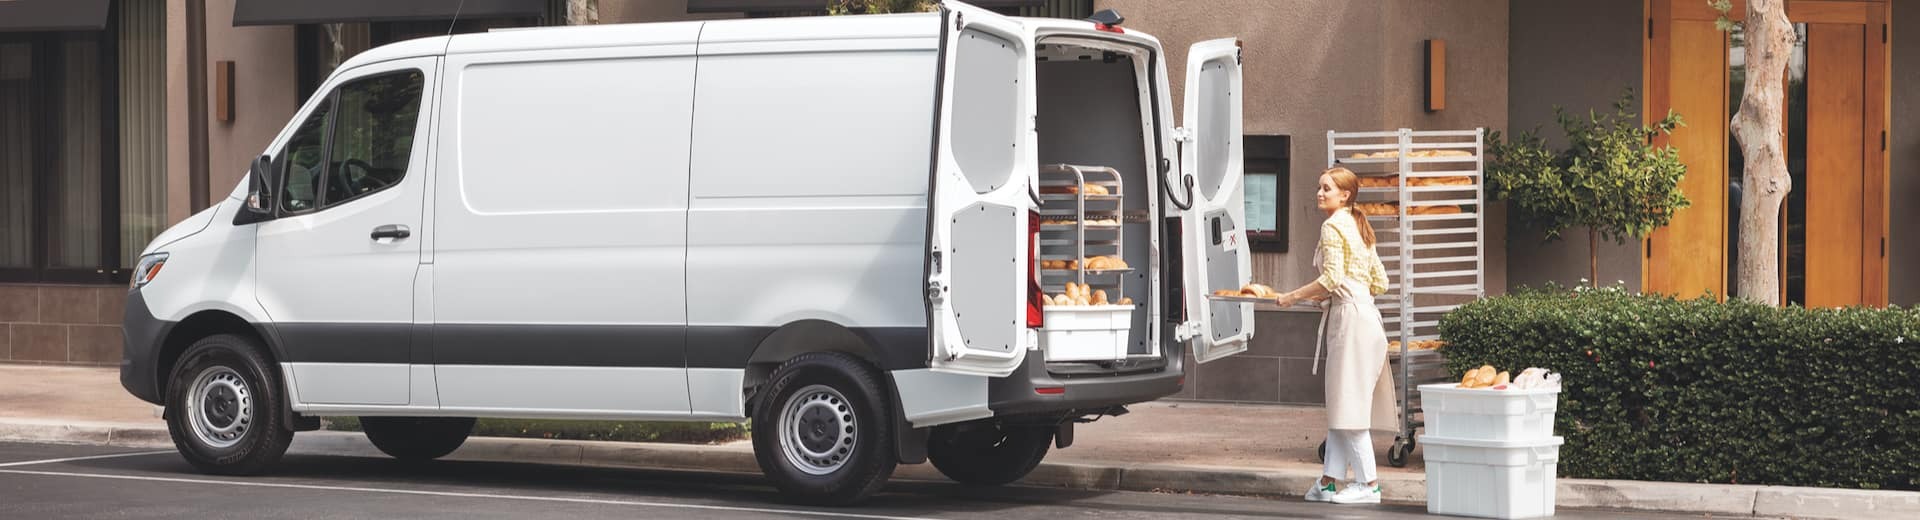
{"x":224,"y":407}
{"x":822,"y":430}
{"x":417,"y":438}
{"x":987,"y":454}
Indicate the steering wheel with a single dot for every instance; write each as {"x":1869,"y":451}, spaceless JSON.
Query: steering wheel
{"x":353,"y":183}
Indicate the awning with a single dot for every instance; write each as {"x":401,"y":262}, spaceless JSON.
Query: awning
{"x":742,"y":6}
{"x":288,"y":12}
{"x":53,"y":15}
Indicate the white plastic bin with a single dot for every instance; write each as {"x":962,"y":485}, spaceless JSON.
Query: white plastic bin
{"x":1493,"y":415}
{"x":1491,"y":479}
{"x":1086,"y":333}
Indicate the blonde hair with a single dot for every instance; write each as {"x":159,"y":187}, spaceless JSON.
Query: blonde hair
{"x":1346,"y":181}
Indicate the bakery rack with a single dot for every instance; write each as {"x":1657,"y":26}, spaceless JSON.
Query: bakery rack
{"x":1076,"y":225}
{"x":1431,"y":237}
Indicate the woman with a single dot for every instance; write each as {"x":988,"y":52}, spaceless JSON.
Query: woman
{"x":1359,"y":387}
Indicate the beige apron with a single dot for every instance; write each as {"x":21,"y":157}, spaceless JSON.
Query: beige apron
{"x":1359,"y":385}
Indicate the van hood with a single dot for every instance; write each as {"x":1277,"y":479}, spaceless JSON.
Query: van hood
{"x":187,"y":227}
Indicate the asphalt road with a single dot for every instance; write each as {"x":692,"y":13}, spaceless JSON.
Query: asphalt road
{"x":64,"y":481}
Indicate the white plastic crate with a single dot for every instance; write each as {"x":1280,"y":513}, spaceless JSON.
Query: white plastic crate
{"x":1086,"y":333}
{"x":1491,"y":479}
{"x":1483,"y":414}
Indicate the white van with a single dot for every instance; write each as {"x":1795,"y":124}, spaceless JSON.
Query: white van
{"x":839,"y":228}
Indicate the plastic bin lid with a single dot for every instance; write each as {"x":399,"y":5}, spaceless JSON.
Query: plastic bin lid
{"x":1479,"y":443}
{"x":1454,"y":389}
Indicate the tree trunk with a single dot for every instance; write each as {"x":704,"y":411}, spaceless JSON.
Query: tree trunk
{"x":583,"y":12}
{"x":1758,"y":127}
{"x":1593,"y":258}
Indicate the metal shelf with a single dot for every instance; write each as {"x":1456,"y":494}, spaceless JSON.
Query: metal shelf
{"x":1421,"y":249}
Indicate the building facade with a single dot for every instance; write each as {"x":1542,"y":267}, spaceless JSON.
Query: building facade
{"x":120,"y":117}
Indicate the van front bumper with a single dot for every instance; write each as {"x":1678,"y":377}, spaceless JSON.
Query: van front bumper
{"x":142,"y":335}
{"x":1017,"y":394}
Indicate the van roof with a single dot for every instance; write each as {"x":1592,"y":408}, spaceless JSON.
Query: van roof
{"x":887,"y":26}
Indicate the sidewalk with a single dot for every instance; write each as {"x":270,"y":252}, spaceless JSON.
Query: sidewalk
{"x":1160,"y":446}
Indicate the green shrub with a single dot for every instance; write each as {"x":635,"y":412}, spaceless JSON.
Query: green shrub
{"x":1703,"y":391}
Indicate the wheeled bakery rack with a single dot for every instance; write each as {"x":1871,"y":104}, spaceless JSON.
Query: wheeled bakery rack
{"x":1434,"y":256}
{"x":1076,"y":225}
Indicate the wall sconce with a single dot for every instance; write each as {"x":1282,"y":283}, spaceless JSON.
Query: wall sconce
{"x":223,"y":91}
{"x":1436,"y":65}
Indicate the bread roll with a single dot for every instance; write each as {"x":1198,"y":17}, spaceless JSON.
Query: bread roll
{"x":1262,"y":290}
{"x":1082,"y":300}
{"x":1125,"y":301}
{"x":1100,"y":297}
{"x":1226,"y":292}
{"x":1502,"y":379}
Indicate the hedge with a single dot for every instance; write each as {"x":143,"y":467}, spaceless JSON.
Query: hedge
{"x":1704,"y":391}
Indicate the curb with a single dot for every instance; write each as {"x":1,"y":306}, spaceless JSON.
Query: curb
{"x":737,"y":457}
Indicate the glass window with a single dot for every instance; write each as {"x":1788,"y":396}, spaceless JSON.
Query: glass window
{"x":302,"y":160}
{"x":374,"y":123}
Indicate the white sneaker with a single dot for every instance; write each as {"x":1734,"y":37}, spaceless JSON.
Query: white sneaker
{"x":1357,"y":493}
{"x":1320,"y":493}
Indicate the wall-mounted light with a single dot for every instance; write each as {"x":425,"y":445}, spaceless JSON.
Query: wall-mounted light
{"x":1436,"y":60}
{"x":223,"y":91}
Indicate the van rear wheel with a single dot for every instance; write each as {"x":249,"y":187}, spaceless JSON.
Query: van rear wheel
{"x":417,"y":438}
{"x":224,"y":407}
{"x":987,"y":454}
{"x":822,"y":430}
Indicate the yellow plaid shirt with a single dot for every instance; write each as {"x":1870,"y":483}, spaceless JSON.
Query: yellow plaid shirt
{"x":1346,"y":259}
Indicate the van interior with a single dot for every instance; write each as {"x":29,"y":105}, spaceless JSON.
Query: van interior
{"x":1094,"y":109}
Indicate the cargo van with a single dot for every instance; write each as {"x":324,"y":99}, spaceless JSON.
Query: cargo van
{"x":944,"y":236}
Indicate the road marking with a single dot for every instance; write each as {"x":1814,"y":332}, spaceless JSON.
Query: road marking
{"x":71,"y":459}
{"x":459,"y":495}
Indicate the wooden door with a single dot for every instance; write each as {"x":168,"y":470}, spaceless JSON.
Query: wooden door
{"x":1688,"y":75}
{"x":1846,"y":187}
{"x":1836,"y":165}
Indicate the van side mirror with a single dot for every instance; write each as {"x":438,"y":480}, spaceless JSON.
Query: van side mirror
{"x":260,"y":184}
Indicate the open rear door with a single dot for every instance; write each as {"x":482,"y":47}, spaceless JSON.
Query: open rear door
{"x":1214,"y":250}
{"x":978,"y":199}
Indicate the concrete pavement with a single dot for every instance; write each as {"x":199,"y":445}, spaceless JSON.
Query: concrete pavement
{"x":1181,"y":447}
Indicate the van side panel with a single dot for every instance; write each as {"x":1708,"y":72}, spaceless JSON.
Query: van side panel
{"x":559,"y":231}
{"x":808,"y":194}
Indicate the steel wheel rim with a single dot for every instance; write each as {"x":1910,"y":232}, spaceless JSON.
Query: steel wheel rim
{"x":220,"y":407}
{"x":817,"y":430}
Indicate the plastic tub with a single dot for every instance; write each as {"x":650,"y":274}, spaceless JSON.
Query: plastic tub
{"x":1491,"y":479}
{"x":1484,"y":414}
{"x":1086,"y":333}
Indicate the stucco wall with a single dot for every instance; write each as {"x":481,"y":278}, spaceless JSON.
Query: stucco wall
{"x":1903,"y":240}
{"x":1579,"y":55}
{"x":263,"y":94}
{"x":1348,"y":65}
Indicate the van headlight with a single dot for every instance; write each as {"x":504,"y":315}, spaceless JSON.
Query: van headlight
{"x":149,"y":267}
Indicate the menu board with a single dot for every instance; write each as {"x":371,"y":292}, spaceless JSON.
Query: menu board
{"x":1263,"y":198}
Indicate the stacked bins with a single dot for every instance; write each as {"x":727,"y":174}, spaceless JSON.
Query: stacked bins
{"x":1490,"y":453}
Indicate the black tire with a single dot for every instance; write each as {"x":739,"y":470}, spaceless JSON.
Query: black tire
{"x":987,"y":454}
{"x":225,"y":407}
{"x":822,"y":391}
{"x":1397,"y":453}
{"x":416,"y":439}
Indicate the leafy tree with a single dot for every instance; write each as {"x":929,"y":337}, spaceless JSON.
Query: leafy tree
{"x":1608,"y":179}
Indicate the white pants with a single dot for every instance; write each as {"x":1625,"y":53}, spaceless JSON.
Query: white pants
{"x":1350,"y":449}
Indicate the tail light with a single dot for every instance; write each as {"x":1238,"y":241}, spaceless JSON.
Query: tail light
{"x":1036,"y":316}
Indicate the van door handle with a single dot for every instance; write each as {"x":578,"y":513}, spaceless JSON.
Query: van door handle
{"x":394,"y":231}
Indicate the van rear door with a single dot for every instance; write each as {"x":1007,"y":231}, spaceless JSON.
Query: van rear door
{"x":978,"y":196}
{"x":1214,"y":251}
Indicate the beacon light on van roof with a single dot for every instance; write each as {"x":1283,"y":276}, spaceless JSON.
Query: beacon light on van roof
{"x":1108,"y":20}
